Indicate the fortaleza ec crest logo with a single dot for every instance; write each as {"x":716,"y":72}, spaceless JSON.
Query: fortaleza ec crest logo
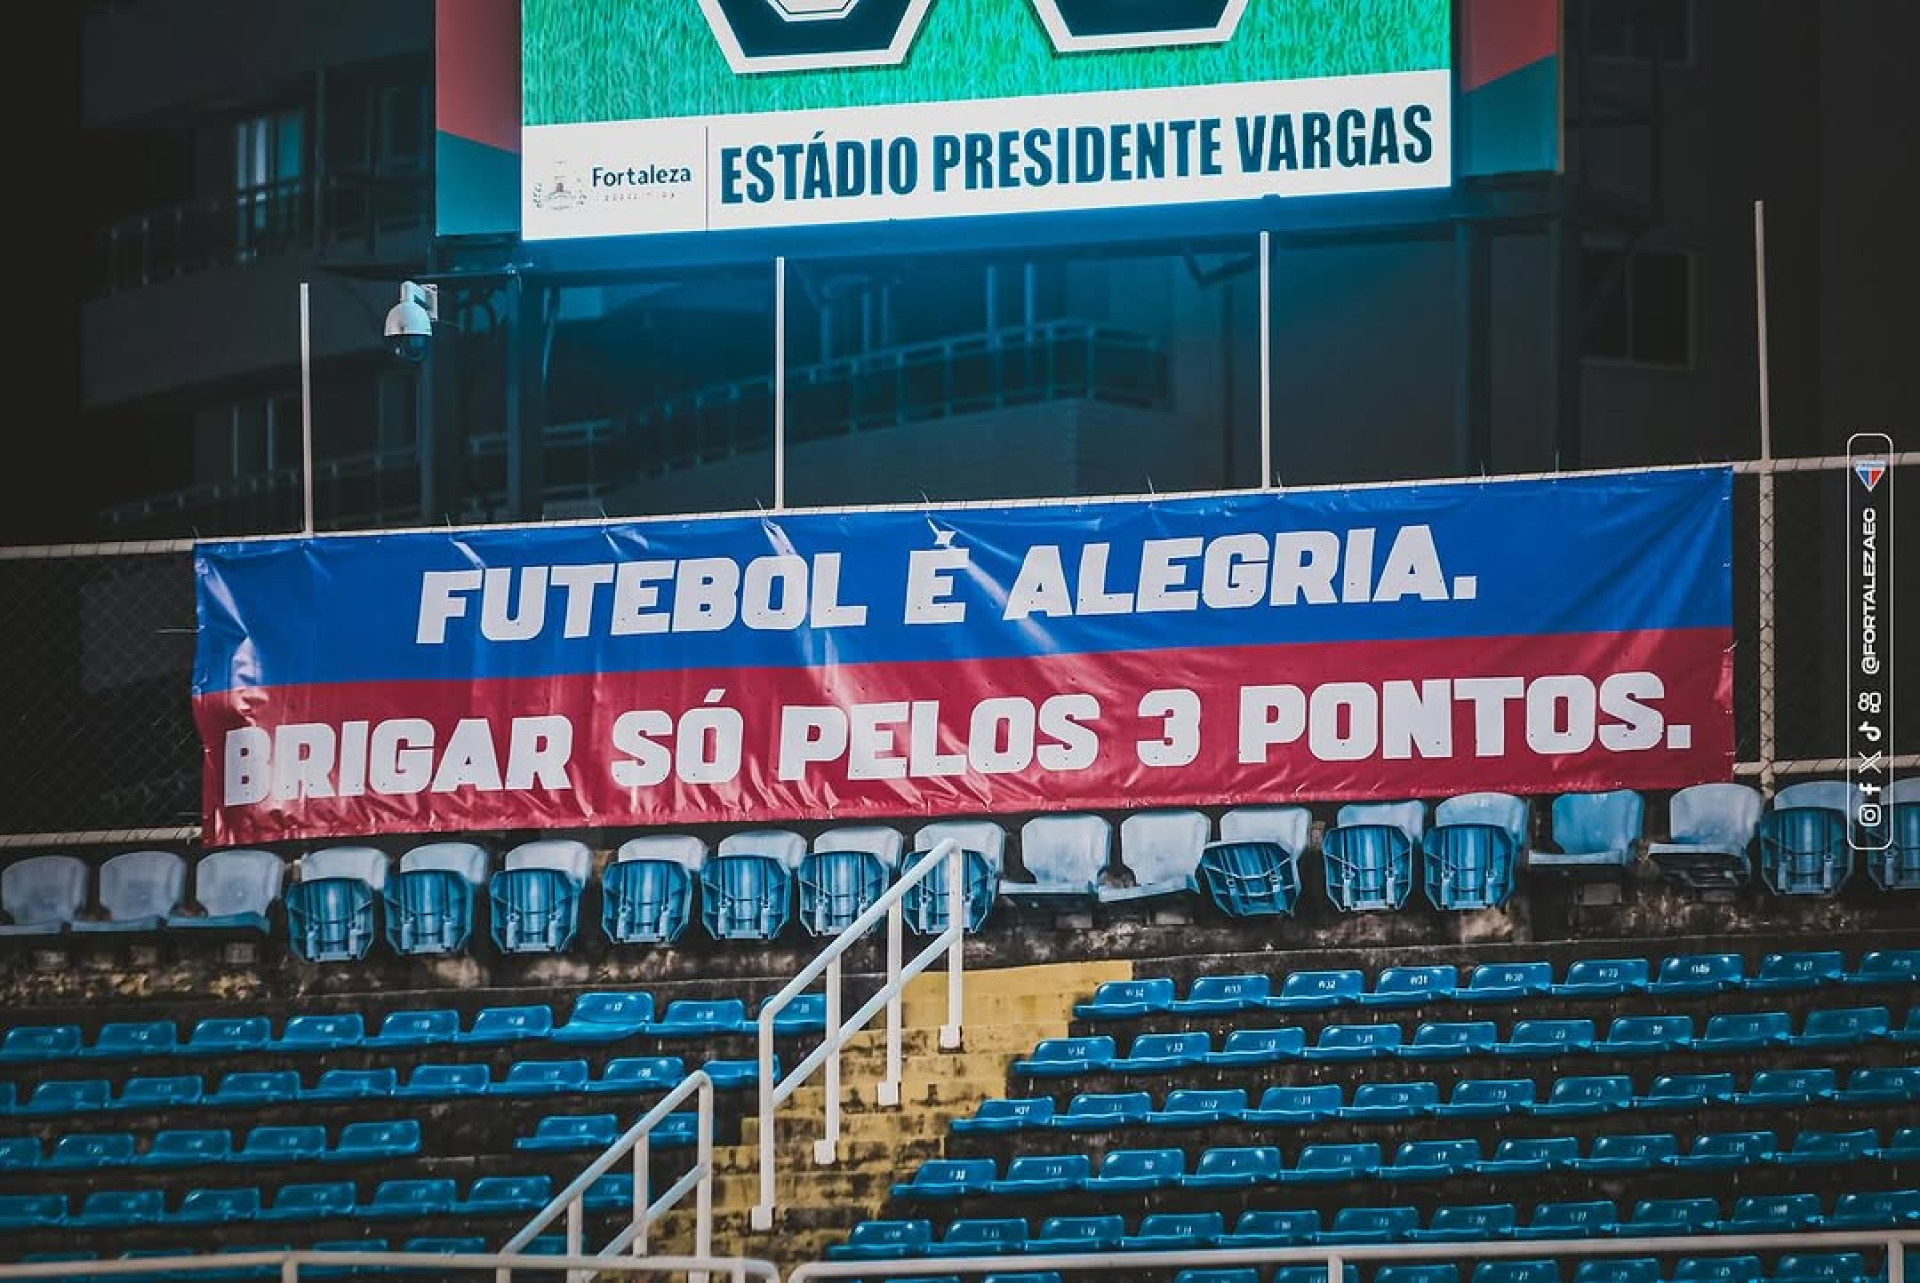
{"x":809,"y":35}
{"x":1870,"y":473}
{"x":565,"y":189}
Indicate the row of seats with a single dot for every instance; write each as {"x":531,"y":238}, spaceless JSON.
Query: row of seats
{"x":1298,"y":1105}
{"x":1159,"y":1052}
{"x":1411,"y":986}
{"x":1068,"y":1234}
{"x":596,"y":1017}
{"x":435,"y":1244}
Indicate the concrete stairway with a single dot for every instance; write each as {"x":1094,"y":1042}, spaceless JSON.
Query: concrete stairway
{"x":1007,"y":1011}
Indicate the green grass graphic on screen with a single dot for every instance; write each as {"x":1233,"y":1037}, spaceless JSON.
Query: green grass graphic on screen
{"x":601,"y":60}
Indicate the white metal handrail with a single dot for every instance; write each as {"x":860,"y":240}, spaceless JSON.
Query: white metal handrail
{"x":291,"y":1264}
{"x":1893,"y":1242}
{"x":638,"y":1138}
{"x":945,"y":854}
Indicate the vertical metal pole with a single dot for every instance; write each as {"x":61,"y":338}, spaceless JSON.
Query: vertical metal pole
{"x":642,"y":1190}
{"x":1896,"y":1260}
{"x":762,"y":1217}
{"x":828,"y":1150}
{"x":703,"y":1191}
{"x":576,"y":1225}
{"x":889,"y":1093}
{"x":306,"y":412}
{"x":1266,"y":360}
{"x":290,"y":1268}
{"x":780,"y":382}
{"x":1766,"y":657}
{"x":956,"y":951}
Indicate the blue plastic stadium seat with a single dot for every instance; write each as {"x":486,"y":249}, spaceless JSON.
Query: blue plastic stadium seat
{"x":113,"y":1209}
{"x":1174,"y":1231}
{"x":1506,"y":1271}
{"x":1487,"y":1098}
{"x":1312,"y":1274}
{"x":541,"y":1078}
{"x":430,"y":1081}
{"x":159,"y":1092}
{"x":521,"y":1022}
{"x":883,"y":1239}
{"x":506,"y":1195}
{"x":1268,"y":1227}
{"x":233,"y":890}
{"x":1897,"y":868}
{"x":983,"y":847}
{"x":331,"y":904}
{"x":1774,"y":1214}
{"x":1530,"y":1156}
{"x":1469,"y":855}
{"x":1464,"y":1223}
{"x":1638,"y":1152}
{"x":1430,"y":1160}
{"x":747,"y":884}
{"x":354,"y":1084}
{"x":1541,"y":1038}
{"x":702,"y":1018}
{"x":647,"y":888}
{"x":1043,"y":1174}
{"x":1391,"y":1101}
{"x":1902,"y":1147}
{"x":1646,"y":1035}
{"x":845,"y":872}
{"x":216,"y":1206}
{"x":1126,"y":999}
{"x":1882,"y":1085}
{"x":1253,"y":869}
{"x":736,"y":1074}
{"x":1506,"y":982}
{"x":1603,"y":978}
{"x":1594,"y":834}
{"x":132,"y":1039}
{"x":250,"y":1087}
{"x":1319,"y":990}
{"x":1234,"y":1167}
{"x":1712,"y":1151}
{"x":314,"y":1032}
{"x":1784,"y":1088}
{"x":602,"y":1016}
{"x":633,"y":1074}
{"x":429,"y":899}
{"x":1067,"y":1056}
{"x":1897,"y":967}
{"x":42,"y":894}
{"x":20,"y":1154}
{"x":533,"y":900}
{"x":409,"y":1198}
{"x":1821,"y":1267}
{"x":40,"y":1044}
{"x":1449,"y":1040}
{"x":1668,"y":1216}
{"x":229,"y":1035}
{"x":309,"y":1201}
{"x":1745,"y":1268}
{"x":1296,"y":1105}
{"x":447,"y":1244}
{"x":375,"y":1140}
{"x":981,"y":1236}
{"x":1159,"y":1053}
{"x":1798,"y":970}
{"x":1909,"y":1029}
{"x":559,"y":1132}
{"x":1710,"y":835}
{"x":1618,"y":1269}
{"x":1688,"y":1091}
{"x":1873,"y":1210}
{"x":1102,"y":1111}
{"x":85,"y":1152}
{"x":802,"y":1015}
{"x":1803,"y":838}
{"x":1224,"y":995}
{"x":1580,"y":1218}
{"x":271,"y":1143}
{"x":1329,"y":1163}
{"x":1064,"y":855}
{"x":610,"y":1192}
{"x":1198,"y":1107}
{"x":1212,"y":1274}
{"x":20,"y":1212}
{"x":1745,"y":1031}
{"x":1259,"y":1046}
{"x":1368,"y":854}
{"x":998,"y":1114}
{"x":1843,"y":1027}
{"x":1409,"y":986}
{"x":67,"y":1096}
{"x":1371,"y":1225}
{"x":1161,"y":849}
{"x":1822,"y":1148}
{"x":138,"y":890}
{"x":1136,"y":1170}
{"x":1341,"y":1042}
{"x":945,"y":1178}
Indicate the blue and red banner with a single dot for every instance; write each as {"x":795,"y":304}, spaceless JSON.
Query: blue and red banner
{"x":1407,"y":641}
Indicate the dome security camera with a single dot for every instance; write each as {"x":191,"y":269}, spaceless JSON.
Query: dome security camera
{"x":409,"y":326}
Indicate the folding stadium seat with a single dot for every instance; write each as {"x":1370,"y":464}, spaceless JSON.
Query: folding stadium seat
{"x":1666,"y":1216}
{"x":1820,"y":1148}
{"x":1469,"y":855}
{"x":76,"y":1152}
{"x":1212,"y":1274}
{"x":1161,"y":849}
{"x":1646,"y":1036}
{"x":1581,"y":1218}
{"x":114,"y":1209}
{"x":1266,"y":1227}
{"x":1378,"y":1102}
{"x":216,"y":1206}
{"x":1530,"y":1156}
{"x":1253,"y":869}
{"x":1431,"y":1160}
{"x":331,"y":902}
{"x":1409,"y":986}
{"x":310,"y":1201}
{"x":1640,"y":1152}
{"x":1353,"y":1042}
{"x":1464,"y":1223}
{"x":1821,"y":1267}
{"x":1618,"y":1269}
{"x":410,"y":1198}
{"x":804,"y":1013}
{"x":1064,"y":855}
{"x":67,"y":1096}
{"x":736,"y":1074}
{"x":883,"y":1240}
{"x":1897,"y":868}
{"x":1234,"y":1167}
{"x":159,"y":1092}
{"x":1506,"y":982}
{"x":1536,"y":1038}
{"x":1874,"y":1210}
{"x":1360,"y":1225}
{"x":1198,"y":1107}
{"x":1126,"y":999}
{"x":555,"y":1132}
{"x":251,"y":1087}
{"x":496,"y":1026}
{"x":702,"y":1018}
{"x":533,"y":900}
{"x":1368,"y":854}
{"x":1449,"y":1040}
{"x":445,"y":1082}
{"x":1721,"y":1150}
{"x":1745,"y":1031}
{"x":272,"y":1143}
{"x":21,"y":1212}
{"x":1312,"y":1274}
{"x":21,"y":1154}
{"x":647,"y":888}
{"x":1506,"y":1271}
{"x":1174,"y":1231}
{"x":1160,"y":1053}
{"x":132,"y":1039}
{"x":40,"y":1044}
{"x":1067,"y":1056}
{"x":983,"y":844}
{"x":229,"y":1035}
{"x":1603,"y":978}
{"x":1902,"y":1147}
{"x":981,"y":1236}
{"x":747,"y":884}
{"x":1487,"y":1098}
{"x":1886,"y":967}
{"x":354,"y":1084}
{"x":1043,"y":1174}
{"x":1594,"y":834}
{"x":541,"y":1078}
{"x":429,"y":899}
{"x":138,"y":890}
{"x":1124,"y":1170}
{"x":42,"y":895}
{"x":1744,"y":1268}
{"x":1259,"y":1046}
{"x":375,"y":1140}
{"x":848,"y":869}
{"x":447,"y":1244}
{"x":1804,"y":847}
{"x":1842,"y":1027}
{"x":1784,"y":1088}
{"x":1774,"y":1214}
{"x":604,"y":1016}
{"x":1102,"y":1111}
{"x":1908,"y":1031}
{"x":1319,"y":990}
{"x":1798,"y":970}
{"x":506,"y":1196}
{"x":611,"y":1192}
{"x":315,"y":1032}
{"x":1428,"y":1272}
{"x":1329,"y":1163}
{"x":1224,"y":995}
{"x":1296,"y":1106}
{"x":944,"y":1178}
{"x":998,"y":1114}
{"x":1711,"y":832}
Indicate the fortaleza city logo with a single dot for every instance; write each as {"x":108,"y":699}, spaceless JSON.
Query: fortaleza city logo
{"x":566,"y":189}
{"x":809,"y":35}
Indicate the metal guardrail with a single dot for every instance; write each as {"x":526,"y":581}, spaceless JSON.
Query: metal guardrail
{"x":294,"y":1266}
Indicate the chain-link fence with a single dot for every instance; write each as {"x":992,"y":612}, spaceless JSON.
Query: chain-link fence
{"x":100,"y":743}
